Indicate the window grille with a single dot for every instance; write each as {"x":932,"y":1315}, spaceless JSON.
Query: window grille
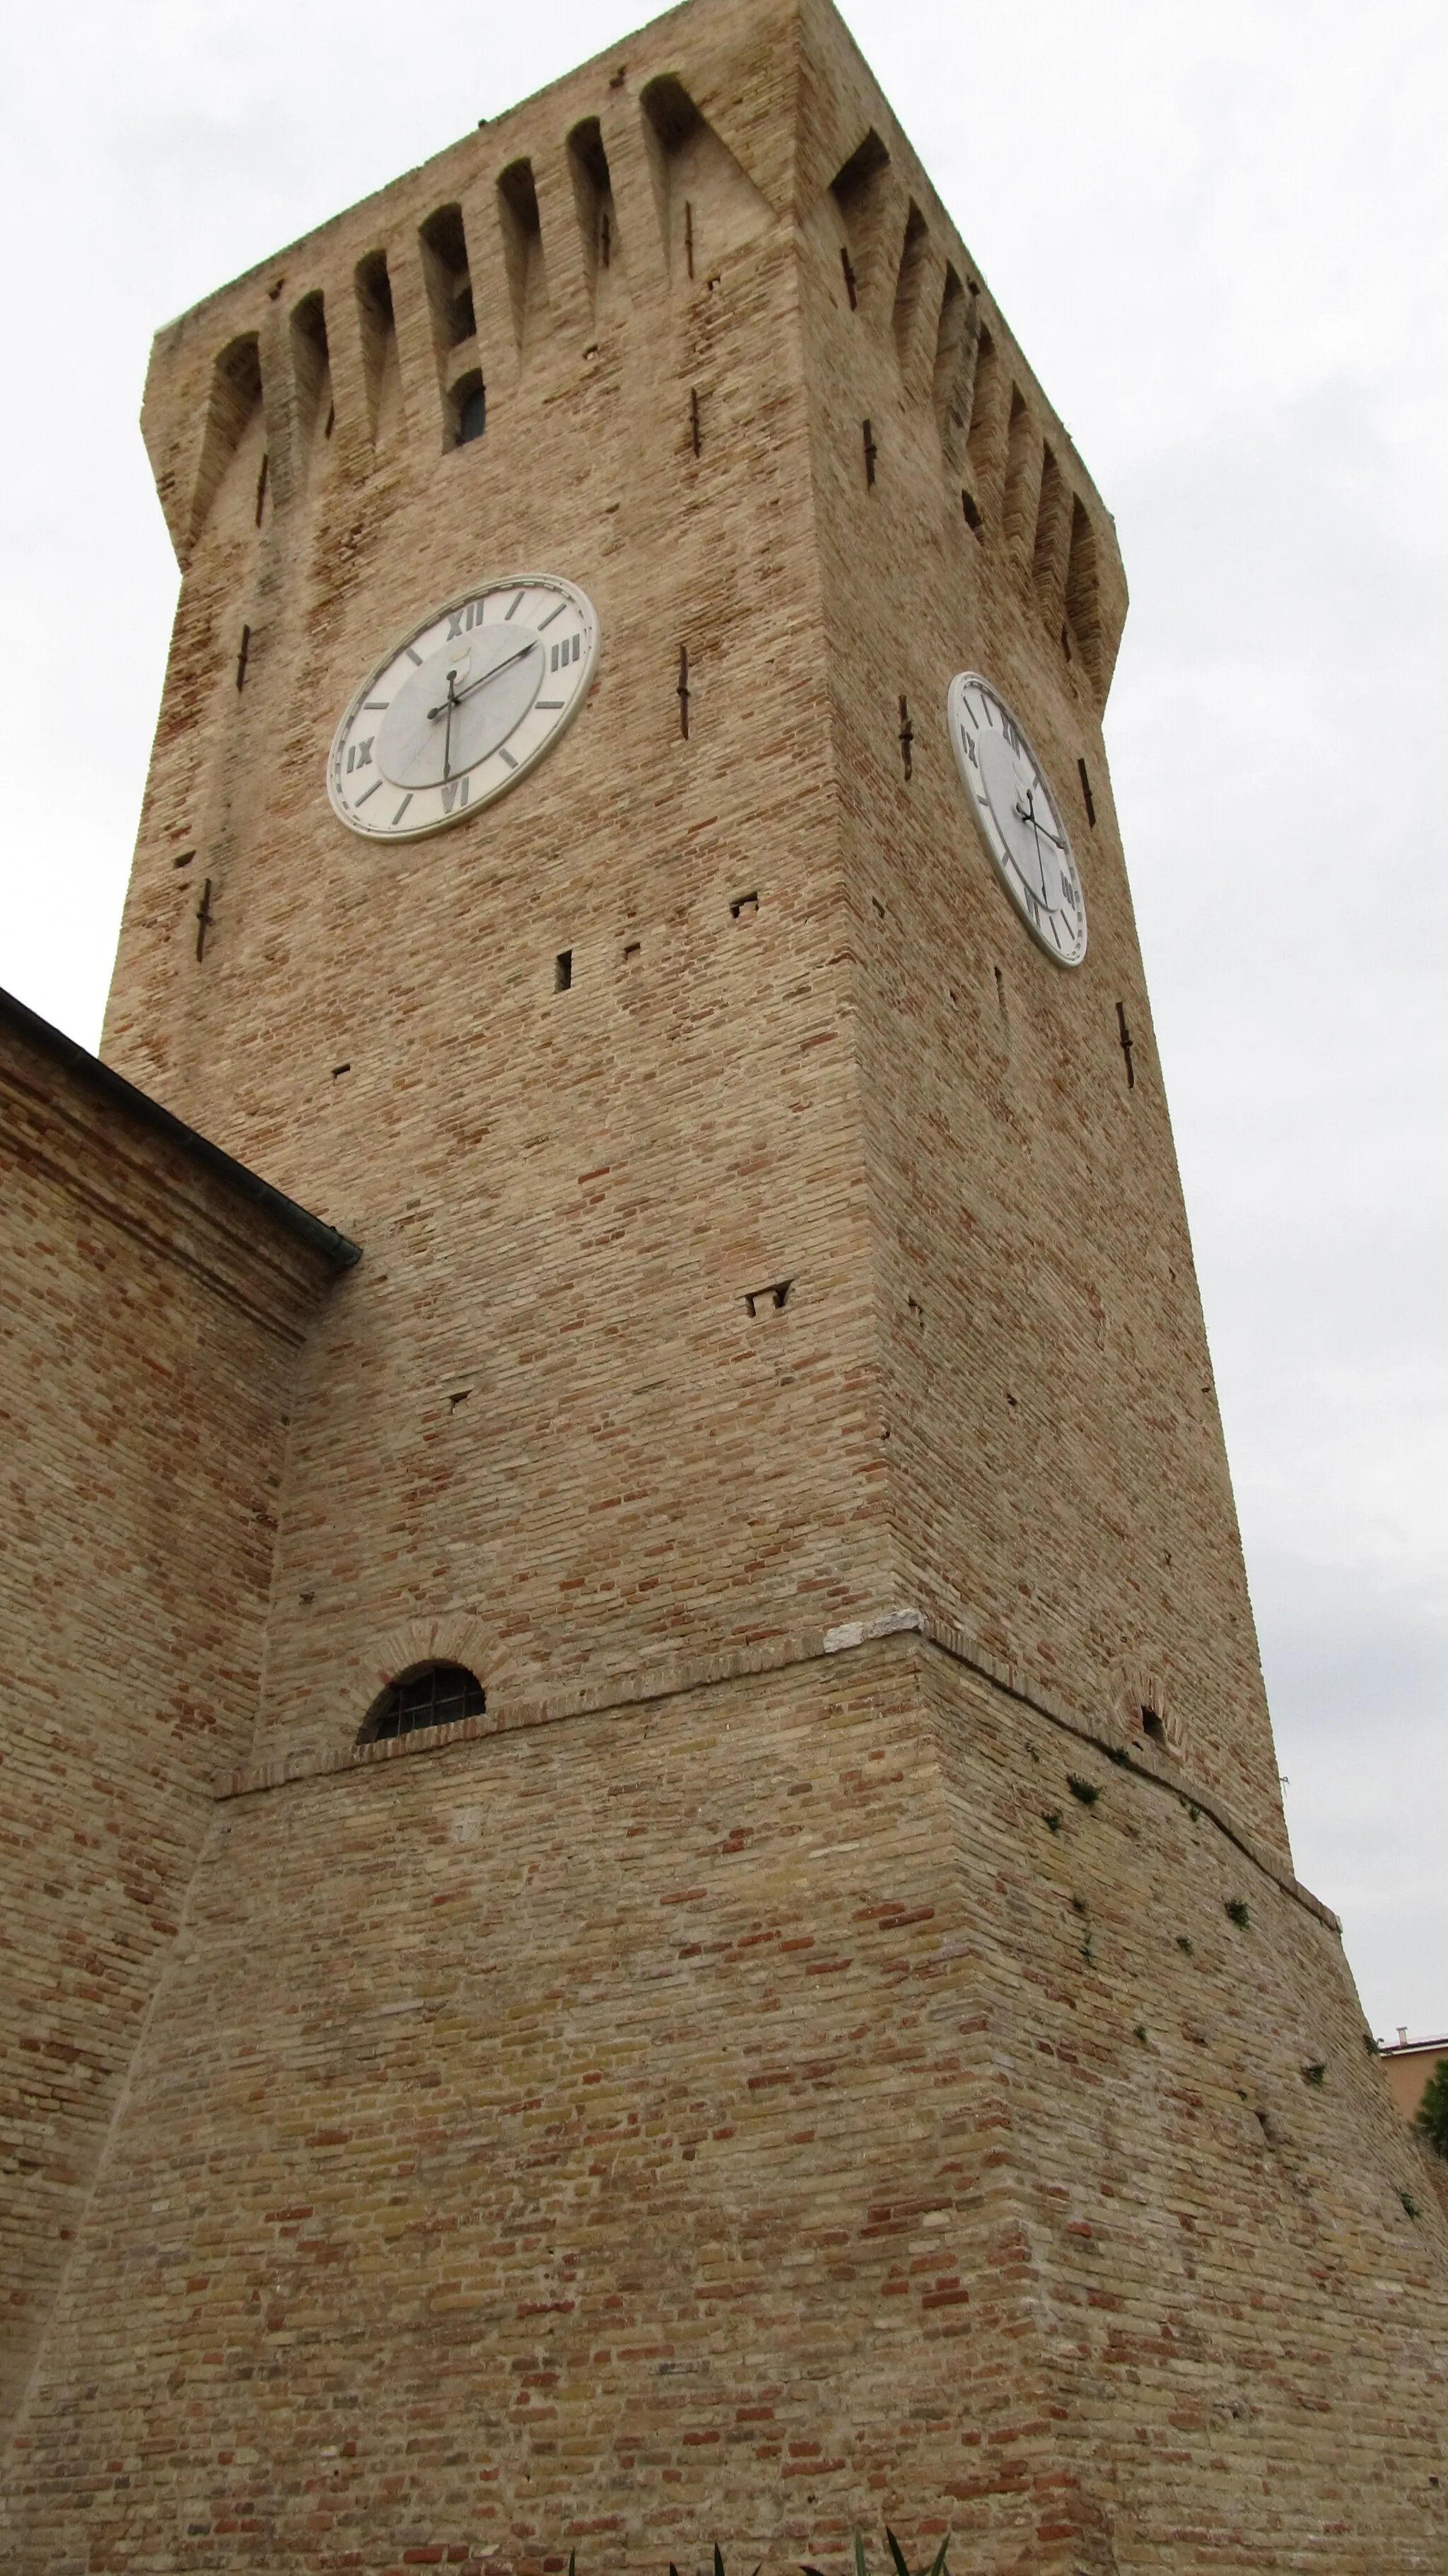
{"x":438,"y":1695}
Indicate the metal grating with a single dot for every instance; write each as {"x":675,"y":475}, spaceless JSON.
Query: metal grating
{"x":440,"y":1695}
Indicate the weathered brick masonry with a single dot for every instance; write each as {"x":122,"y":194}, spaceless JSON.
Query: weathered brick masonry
{"x":745,"y":2112}
{"x":152,"y":1302}
{"x":745,"y":2081}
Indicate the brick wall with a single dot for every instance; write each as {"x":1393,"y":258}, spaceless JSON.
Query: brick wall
{"x":1057,"y":1480}
{"x":990,"y":1392}
{"x":150,"y":1314}
{"x":744,"y":2115}
{"x":546,"y":1423}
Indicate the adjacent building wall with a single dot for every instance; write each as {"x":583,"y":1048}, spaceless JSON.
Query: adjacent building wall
{"x":1408,"y":2069}
{"x":152,"y":1300}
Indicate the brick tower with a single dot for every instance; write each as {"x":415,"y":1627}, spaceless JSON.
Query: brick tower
{"x":837,"y":2033}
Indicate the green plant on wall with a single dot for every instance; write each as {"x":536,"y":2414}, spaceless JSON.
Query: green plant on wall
{"x":1433,"y":2109}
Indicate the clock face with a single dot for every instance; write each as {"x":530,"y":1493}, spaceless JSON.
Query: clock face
{"x":1019,"y":819}
{"x":463,"y":706}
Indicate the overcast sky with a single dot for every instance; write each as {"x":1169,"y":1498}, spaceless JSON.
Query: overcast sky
{"x":1221,"y":235}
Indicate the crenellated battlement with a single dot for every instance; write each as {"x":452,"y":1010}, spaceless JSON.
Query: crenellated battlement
{"x":607,"y":203}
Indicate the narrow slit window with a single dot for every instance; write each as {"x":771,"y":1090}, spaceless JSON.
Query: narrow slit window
{"x":470,"y":399}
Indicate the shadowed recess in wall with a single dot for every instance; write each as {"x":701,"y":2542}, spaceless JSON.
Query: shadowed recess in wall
{"x":233,"y":417}
{"x":954,"y":349}
{"x":707,"y":205}
{"x":311,"y":380}
{"x":985,"y":435}
{"x":378,"y":329}
{"x":861,"y":190}
{"x":597,"y":217}
{"x":910,"y":280}
{"x":454,"y":325}
{"x":522,"y":231}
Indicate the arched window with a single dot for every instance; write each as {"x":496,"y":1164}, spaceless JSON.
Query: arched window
{"x":430,"y":1695}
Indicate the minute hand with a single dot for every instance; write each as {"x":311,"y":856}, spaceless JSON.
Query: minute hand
{"x":483,"y":678}
{"x":1029,"y":815}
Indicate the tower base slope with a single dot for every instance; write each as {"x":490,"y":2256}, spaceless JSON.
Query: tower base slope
{"x":788,"y":2105}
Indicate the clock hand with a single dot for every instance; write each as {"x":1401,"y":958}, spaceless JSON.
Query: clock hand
{"x":447,"y":737}
{"x":482,"y":680}
{"x":1028,"y":814}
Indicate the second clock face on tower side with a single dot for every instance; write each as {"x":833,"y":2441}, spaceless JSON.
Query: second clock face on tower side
{"x":465,"y":704}
{"x":1018,"y":817}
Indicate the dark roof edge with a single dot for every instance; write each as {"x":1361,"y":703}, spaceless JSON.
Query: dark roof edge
{"x":334,"y":1247}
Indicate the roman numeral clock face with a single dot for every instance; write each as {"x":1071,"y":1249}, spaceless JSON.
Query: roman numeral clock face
{"x":463,"y":706}
{"x":1018,"y":817}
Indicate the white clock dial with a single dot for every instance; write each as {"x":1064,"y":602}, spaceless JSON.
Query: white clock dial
{"x":1019,"y":819}
{"x":463,"y":706}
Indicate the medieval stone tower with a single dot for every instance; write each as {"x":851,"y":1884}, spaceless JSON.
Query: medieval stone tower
{"x":827,"y":2028}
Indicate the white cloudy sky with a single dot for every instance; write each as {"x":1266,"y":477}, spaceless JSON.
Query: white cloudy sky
{"x":1222,"y":234}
